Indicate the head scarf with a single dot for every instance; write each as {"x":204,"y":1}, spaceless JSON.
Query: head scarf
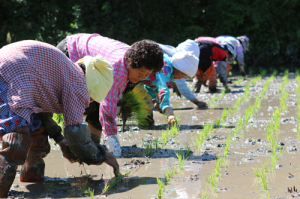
{"x":186,"y":62}
{"x":98,"y":76}
{"x":244,"y":41}
{"x":189,"y":45}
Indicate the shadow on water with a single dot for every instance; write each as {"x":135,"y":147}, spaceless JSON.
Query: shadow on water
{"x":61,"y":188}
{"x":79,"y":187}
{"x":136,"y":152}
{"x":182,"y":126}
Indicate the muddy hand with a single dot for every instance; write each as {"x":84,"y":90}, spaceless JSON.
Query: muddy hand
{"x":111,"y":160}
{"x":67,"y":152}
{"x":200,"y":104}
{"x":171,"y":120}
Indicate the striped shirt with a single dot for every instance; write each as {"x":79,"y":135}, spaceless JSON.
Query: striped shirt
{"x":112,"y":51}
{"x":40,"y":78}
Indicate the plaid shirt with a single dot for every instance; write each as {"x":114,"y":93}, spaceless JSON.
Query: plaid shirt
{"x":40,"y":78}
{"x":112,"y":51}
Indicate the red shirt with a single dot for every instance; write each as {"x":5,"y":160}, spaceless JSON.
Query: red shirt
{"x":210,"y":50}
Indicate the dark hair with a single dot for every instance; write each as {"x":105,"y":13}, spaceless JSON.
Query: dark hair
{"x":145,"y":53}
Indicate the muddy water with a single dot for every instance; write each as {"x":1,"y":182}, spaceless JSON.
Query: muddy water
{"x":250,"y":149}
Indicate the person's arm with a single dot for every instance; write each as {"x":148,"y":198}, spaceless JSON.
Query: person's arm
{"x":54,"y":131}
{"x":187,"y":93}
{"x":240,"y":59}
{"x":184,"y":89}
{"x":78,"y":135}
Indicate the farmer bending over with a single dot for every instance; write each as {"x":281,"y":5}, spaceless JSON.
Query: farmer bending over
{"x":183,"y":64}
{"x":212,"y":50}
{"x":188,"y":45}
{"x":36,"y":77}
{"x":242,"y":47}
{"x":131,"y":64}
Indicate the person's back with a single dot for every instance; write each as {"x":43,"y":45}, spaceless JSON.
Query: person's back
{"x":42,"y":79}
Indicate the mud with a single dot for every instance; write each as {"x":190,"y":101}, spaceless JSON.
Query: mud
{"x":247,"y":150}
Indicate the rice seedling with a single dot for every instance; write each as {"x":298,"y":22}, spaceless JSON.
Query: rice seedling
{"x":261,"y":174}
{"x":298,"y":78}
{"x":239,"y":125}
{"x":126,"y":173}
{"x":105,"y":188}
{"x":263,"y":72}
{"x":239,"y":80}
{"x":168,"y":175}
{"x":255,"y":79}
{"x":133,"y":107}
{"x":91,"y":192}
{"x":205,"y":195}
{"x":224,"y":115}
{"x":247,"y":91}
{"x":222,"y":94}
{"x":264,"y":179}
{"x":283,"y":100}
{"x":165,"y":137}
{"x":174,"y":130}
{"x":187,"y":149}
{"x":212,"y":181}
{"x":148,"y":149}
{"x":212,"y":101}
{"x":161,"y":188}
{"x":156,"y":144}
{"x":256,"y":171}
{"x":218,"y":165}
{"x":226,"y":149}
{"x":257,"y":103}
{"x":248,"y":113}
{"x":274,"y":73}
{"x":174,"y":171}
{"x":181,"y":160}
{"x":202,"y":135}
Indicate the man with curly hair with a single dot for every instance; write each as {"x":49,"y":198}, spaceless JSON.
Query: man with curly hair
{"x":131,"y":64}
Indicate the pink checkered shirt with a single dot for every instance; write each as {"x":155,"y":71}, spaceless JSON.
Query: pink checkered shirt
{"x":113,"y":51}
{"x":42,"y":79}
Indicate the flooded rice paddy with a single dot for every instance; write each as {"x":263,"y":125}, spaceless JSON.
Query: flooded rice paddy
{"x":245,"y":145}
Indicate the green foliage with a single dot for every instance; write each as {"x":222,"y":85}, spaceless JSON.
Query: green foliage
{"x":168,"y":175}
{"x":161,"y":188}
{"x":181,"y":159}
{"x":91,"y":192}
{"x":187,"y":149}
{"x":255,"y":79}
{"x":59,"y":119}
{"x":199,"y":139}
{"x":238,"y":81}
{"x":129,"y":21}
{"x":132,"y":106}
{"x":204,"y":195}
{"x":156,"y":144}
{"x":148,"y":148}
